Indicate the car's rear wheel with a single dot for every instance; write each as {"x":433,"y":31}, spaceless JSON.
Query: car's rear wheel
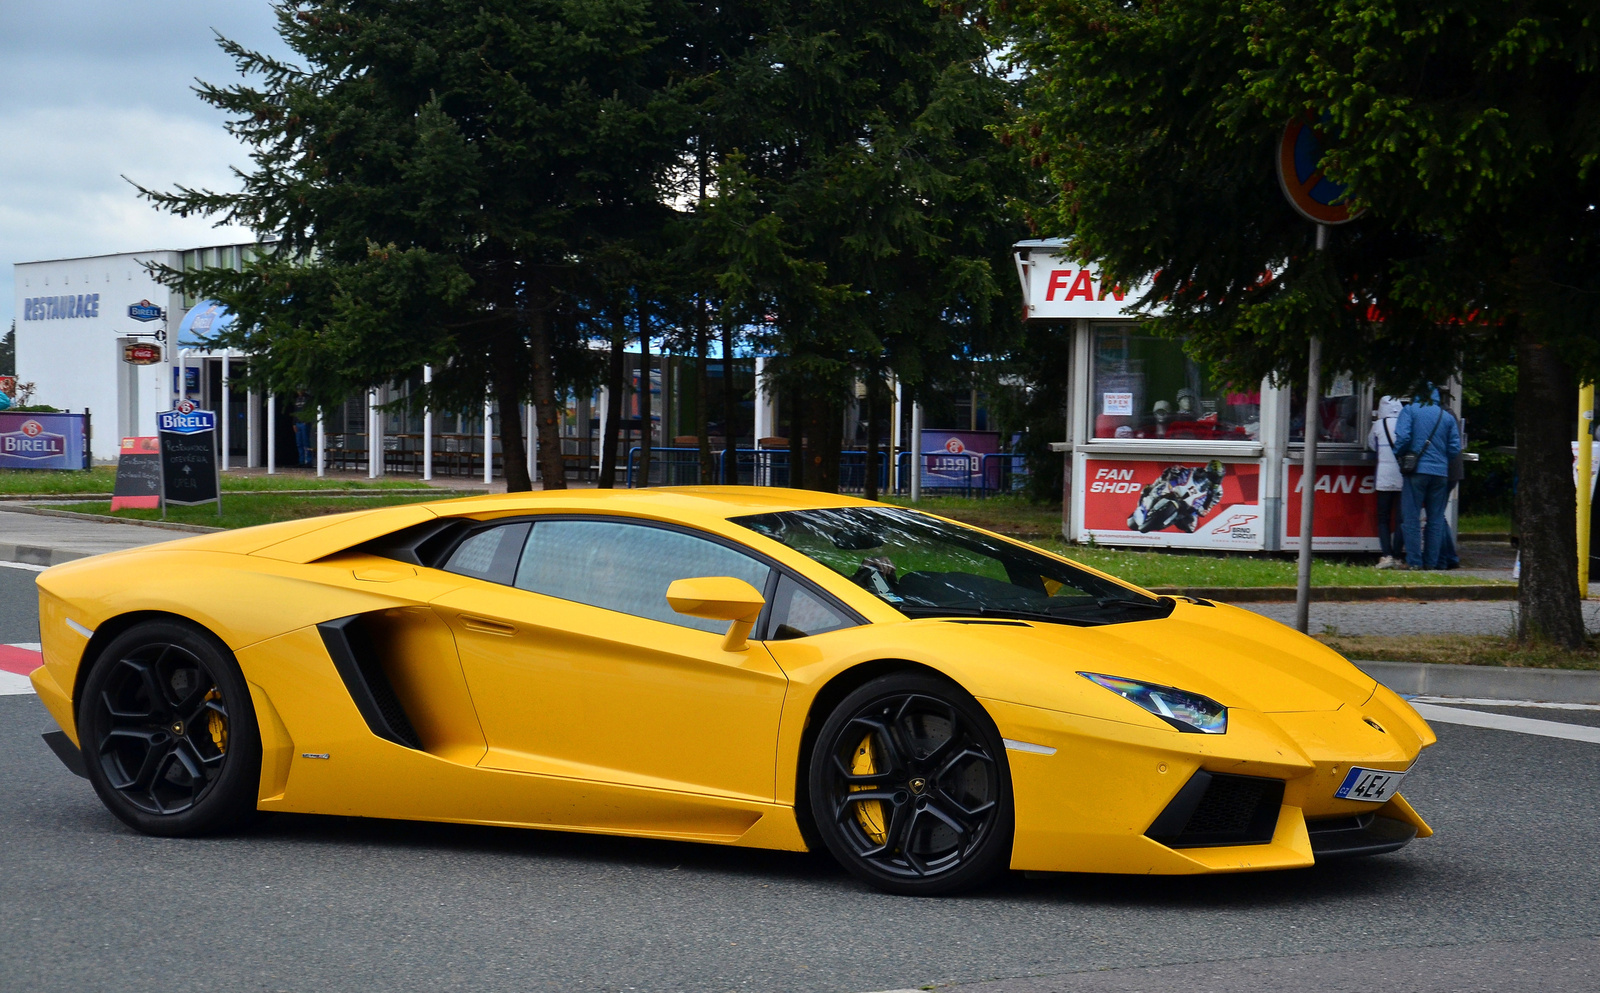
{"x":168,"y":731}
{"x":909,"y":786}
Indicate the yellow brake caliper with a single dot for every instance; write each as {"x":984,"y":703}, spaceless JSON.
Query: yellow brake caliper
{"x":216,"y":725}
{"x":869,"y":813}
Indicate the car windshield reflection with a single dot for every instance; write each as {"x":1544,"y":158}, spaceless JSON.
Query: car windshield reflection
{"x":926,"y":567}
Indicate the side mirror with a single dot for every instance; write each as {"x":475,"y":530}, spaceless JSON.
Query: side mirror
{"x":719,"y":598}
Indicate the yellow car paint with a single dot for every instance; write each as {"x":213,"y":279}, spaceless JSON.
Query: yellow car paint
{"x":541,"y":712}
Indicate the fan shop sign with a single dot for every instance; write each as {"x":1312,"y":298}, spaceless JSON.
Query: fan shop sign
{"x":1347,"y":507}
{"x":1061,"y":289}
{"x":42,"y":441}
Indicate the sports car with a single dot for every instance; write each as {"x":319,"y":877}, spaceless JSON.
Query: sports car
{"x":930,"y":703}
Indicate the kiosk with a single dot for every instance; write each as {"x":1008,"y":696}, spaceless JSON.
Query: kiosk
{"x":1161,"y":452}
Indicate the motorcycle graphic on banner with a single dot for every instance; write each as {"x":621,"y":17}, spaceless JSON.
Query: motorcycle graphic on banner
{"x":1174,"y":504}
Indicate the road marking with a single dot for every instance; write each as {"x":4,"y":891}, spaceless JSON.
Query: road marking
{"x":1500,"y":722}
{"x":1475,"y":702}
{"x":16,"y":661}
{"x":23,"y":565}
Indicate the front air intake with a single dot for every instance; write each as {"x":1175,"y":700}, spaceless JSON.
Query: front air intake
{"x":1215,"y":809}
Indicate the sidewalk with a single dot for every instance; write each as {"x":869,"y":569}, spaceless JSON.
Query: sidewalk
{"x":36,"y":539}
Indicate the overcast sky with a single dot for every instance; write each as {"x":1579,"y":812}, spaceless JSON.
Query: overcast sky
{"x":94,"y":90}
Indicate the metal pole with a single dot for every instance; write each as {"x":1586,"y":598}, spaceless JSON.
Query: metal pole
{"x":372,"y":434}
{"x":1308,"y":470}
{"x":488,"y":443}
{"x":916,"y":451}
{"x":272,"y":434}
{"x":222,"y":462}
{"x":427,"y":430}
{"x":1585,"y":491}
{"x":322,"y":445}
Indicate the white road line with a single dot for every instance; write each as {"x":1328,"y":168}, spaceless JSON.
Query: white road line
{"x":1500,"y":722}
{"x":23,"y":565}
{"x":12,"y":684}
{"x":1475,"y":702}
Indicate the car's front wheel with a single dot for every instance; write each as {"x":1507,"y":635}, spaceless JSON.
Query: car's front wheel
{"x":909,"y":786}
{"x":168,"y":731}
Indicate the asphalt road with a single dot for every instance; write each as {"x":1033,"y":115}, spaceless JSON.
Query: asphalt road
{"x":1505,"y":897}
{"x":19,"y":606}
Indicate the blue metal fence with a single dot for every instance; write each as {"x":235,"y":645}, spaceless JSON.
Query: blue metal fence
{"x":988,"y":474}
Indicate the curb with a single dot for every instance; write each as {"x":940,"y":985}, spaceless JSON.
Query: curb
{"x":1332,"y":594}
{"x":73,"y":515}
{"x":1486,"y":682}
{"x":37,"y":555}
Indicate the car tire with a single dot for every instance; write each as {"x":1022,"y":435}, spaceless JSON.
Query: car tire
{"x":168,"y":731}
{"x":909,"y":786}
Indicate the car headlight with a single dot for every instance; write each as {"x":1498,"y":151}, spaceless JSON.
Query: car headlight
{"x":1183,"y":710}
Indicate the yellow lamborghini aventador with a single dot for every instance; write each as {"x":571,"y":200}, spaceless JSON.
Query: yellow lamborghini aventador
{"x":930,"y":702}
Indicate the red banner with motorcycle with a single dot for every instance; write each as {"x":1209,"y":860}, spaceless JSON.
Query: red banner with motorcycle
{"x":1171,"y":503}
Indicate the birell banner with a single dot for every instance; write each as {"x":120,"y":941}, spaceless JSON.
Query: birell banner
{"x":954,"y":459}
{"x":1172,"y":504}
{"x":1346,"y":511}
{"x":188,"y":446}
{"x":42,"y":441}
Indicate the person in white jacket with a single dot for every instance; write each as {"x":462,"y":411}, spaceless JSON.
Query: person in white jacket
{"x":1389,"y":484}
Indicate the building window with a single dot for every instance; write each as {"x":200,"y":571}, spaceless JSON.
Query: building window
{"x":1146,"y":387}
{"x":1340,"y":409}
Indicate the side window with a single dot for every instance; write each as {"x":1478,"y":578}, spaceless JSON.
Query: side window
{"x":627,"y":567}
{"x":490,"y":554}
{"x":798,"y":612}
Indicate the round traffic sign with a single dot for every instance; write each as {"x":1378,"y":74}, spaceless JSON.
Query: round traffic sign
{"x":1311,"y":194}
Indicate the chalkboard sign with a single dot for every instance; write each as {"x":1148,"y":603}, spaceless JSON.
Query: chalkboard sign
{"x":188,"y":455}
{"x":138,"y":474}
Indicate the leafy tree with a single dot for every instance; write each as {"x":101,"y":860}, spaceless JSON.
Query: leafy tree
{"x":8,"y":352}
{"x":434,"y":175}
{"x":1465,"y":129}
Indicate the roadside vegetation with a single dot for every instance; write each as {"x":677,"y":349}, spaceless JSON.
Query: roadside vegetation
{"x":1462,"y":649}
{"x":102,"y":478}
{"x":1156,"y":568}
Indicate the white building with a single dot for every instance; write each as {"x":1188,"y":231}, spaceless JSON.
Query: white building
{"x":74,"y":318}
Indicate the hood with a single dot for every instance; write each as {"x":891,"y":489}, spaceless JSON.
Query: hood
{"x":1432,"y":395}
{"x":1238,"y":658}
{"x":1389,"y":407}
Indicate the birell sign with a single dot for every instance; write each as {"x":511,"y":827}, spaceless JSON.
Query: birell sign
{"x":42,"y":441}
{"x":189,"y":465}
{"x":144,"y":310}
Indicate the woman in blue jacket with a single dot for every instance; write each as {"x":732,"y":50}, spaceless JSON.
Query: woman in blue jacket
{"x":1427,"y":429}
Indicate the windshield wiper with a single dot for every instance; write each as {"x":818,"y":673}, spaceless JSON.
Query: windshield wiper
{"x":1159,"y":603}
{"x":930,"y":610}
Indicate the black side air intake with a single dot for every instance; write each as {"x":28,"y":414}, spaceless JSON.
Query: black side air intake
{"x":354,"y":655}
{"x":1215,"y":809}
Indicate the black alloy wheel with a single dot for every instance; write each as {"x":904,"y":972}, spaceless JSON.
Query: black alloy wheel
{"x":168,"y":731}
{"x":910,"y":789}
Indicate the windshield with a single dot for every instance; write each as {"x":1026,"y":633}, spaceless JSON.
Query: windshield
{"x":926,"y":567}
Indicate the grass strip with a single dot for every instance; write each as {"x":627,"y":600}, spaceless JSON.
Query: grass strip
{"x":102,"y":479}
{"x":268,"y":509}
{"x":1151,"y":568}
{"x":1461,"y":649}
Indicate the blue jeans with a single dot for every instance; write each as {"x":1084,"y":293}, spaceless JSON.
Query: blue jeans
{"x":1424,"y":494}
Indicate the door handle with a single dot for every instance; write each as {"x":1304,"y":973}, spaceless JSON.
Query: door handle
{"x":484,"y":625}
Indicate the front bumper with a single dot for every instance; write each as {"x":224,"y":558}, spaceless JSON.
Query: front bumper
{"x":1100,"y":802}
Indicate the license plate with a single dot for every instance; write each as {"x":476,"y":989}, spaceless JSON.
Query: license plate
{"x":1373,"y":785}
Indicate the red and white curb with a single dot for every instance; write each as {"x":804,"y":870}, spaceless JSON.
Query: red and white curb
{"x":16,"y":661}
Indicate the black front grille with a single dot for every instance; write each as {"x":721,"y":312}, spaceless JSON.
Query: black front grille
{"x":1215,"y":809}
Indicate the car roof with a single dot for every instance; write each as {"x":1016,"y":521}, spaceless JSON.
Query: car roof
{"x":703,"y":502}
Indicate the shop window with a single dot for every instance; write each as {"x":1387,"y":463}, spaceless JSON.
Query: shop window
{"x":1146,"y":387}
{"x":1340,"y":408}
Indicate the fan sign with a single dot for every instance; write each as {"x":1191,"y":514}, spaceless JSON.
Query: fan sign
{"x":1347,"y":508}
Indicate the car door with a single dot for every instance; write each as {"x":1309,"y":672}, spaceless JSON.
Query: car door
{"x":579,"y":668}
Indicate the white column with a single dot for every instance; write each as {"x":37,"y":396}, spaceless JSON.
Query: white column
{"x":322,"y":445}
{"x":763,"y":425}
{"x":488,"y":442}
{"x":252,"y":431}
{"x":223,"y":405}
{"x":272,"y":421}
{"x":427,"y":429}
{"x":605,"y":416}
{"x":374,"y":452}
{"x":894,"y":433}
{"x":916,"y":452}
{"x":530,"y":422}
